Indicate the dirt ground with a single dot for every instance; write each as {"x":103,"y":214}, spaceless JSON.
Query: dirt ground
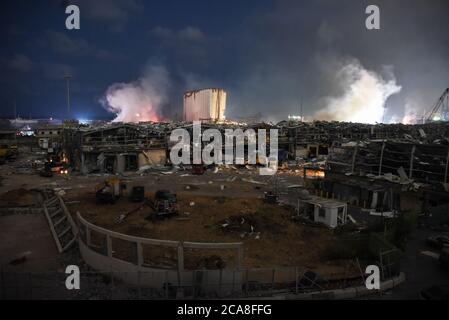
{"x":26,"y":244}
{"x":227,"y":197}
{"x":270,"y":237}
{"x":20,"y":198}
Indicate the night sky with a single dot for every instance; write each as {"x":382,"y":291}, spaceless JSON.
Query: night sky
{"x":268,"y":55}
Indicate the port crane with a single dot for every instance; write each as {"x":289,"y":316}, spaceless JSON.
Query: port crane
{"x":440,"y":110}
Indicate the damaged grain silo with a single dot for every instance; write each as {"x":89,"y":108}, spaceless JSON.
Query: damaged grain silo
{"x":206,"y":105}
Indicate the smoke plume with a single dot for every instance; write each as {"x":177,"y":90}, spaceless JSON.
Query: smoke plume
{"x":141,"y":100}
{"x":364,"y":95}
{"x":413,"y":112}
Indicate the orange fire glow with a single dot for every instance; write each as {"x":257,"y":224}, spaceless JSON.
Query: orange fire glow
{"x":314,"y":173}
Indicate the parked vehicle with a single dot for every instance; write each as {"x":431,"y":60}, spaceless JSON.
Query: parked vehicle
{"x":165,"y":204}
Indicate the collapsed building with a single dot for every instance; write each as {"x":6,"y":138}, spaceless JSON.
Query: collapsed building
{"x":381,"y":168}
{"x":388,"y":176}
{"x":333,"y":141}
{"x":384,"y":169}
{"x":116,"y":148}
{"x":49,"y":137}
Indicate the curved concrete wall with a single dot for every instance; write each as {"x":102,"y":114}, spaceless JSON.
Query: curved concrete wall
{"x":223,"y":282}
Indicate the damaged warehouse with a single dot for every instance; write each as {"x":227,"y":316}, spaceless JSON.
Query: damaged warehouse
{"x":396,"y":171}
{"x":336,"y":184}
{"x":121,"y":148}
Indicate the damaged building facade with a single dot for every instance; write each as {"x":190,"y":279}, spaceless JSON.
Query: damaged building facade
{"x":333,"y":179}
{"x":384,"y":169}
{"x":381,"y":168}
{"x":116,"y":148}
{"x":389,"y":176}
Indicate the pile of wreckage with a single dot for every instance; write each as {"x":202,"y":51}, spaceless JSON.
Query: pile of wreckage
{"x":421,"y":150}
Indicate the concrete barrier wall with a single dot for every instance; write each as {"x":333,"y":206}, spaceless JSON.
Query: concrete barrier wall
{"x":349,"y":293}
{"x":224,"y":282}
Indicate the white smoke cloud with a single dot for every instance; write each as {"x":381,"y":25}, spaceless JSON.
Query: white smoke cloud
{"x":364,"y":95}
{"x":141,"y":100}
{"x":413,"y":111}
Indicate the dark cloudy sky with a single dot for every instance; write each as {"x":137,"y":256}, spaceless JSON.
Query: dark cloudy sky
{"x":267,"y":54}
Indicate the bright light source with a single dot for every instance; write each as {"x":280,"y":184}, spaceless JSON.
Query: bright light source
{"x":293,"y":117}
{"x":83,"y":121}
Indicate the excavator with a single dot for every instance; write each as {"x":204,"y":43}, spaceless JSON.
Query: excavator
{"x":164,"y":205}
{"x":109,"y":191}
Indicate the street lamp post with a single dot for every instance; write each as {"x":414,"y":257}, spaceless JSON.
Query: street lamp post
{"x":67,"y":78}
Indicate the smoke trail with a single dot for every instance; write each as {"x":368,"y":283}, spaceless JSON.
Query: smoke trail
{"x":364,"y":95}
{"x":413,"y":111}
{"x":140,"y":100}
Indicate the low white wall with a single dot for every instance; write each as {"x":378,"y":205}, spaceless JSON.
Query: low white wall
{"x":349,"y":293}
{"x":224,"y":281}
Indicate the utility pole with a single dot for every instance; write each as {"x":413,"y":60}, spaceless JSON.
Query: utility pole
{"x":67,"y":78}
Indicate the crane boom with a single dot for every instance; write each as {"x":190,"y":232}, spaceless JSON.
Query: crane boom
{"x":440,"y":110}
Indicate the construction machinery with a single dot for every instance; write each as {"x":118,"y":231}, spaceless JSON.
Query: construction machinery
{"x":8,"y":152}
{"x":165,"y":205}
{"x":3,"y":154}
{"x":54,"y":165}
{"x":8,"y":146}
{"x":440,"y":110}
{"x":109,"y":191}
